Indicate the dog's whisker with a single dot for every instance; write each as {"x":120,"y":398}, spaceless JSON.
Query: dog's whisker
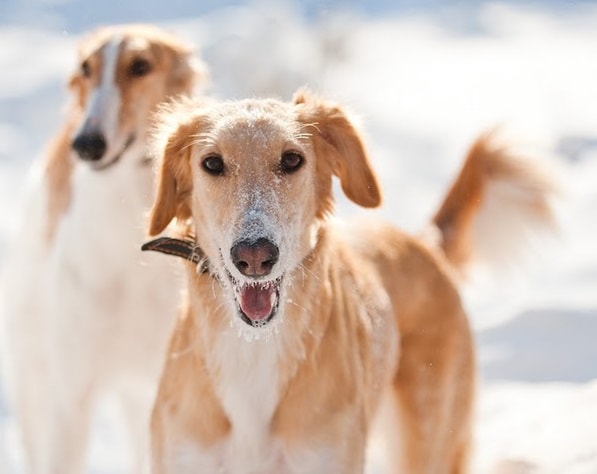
{"x":205,"y":139}
{"x":294,"y":303}
{"x":314,"y":125}
{"x":308,"y":271}
{"x":213,"y":287}
{"x":185,"y":351}
{"x":303,"y":135}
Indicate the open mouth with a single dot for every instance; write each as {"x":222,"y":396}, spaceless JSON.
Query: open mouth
{"x":257,"y":301}
{"x":102,"y":166}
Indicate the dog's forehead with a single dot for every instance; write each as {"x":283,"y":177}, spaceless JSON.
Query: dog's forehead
{"x":254,"y":124}
{"x":135,"y":44}
{"x":131,"y":38}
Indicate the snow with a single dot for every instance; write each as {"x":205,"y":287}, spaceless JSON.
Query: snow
{"x":424,"y":81}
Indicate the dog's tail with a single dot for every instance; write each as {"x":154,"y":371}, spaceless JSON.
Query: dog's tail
{"x":496,"y":204}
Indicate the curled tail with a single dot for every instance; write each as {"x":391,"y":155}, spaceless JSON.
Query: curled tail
{"x":497,"y":203}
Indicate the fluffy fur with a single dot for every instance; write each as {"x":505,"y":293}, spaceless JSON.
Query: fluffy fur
{"x":496,"y":206}
{"x":303,"y":325}
{"x":83,"y":310}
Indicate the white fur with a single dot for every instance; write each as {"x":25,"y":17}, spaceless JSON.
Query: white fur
{"x":110,"y":310}
{"x":24,"y":350}
{"x":104,"y":103}
{"x":249,"y":392}
{"x":187,"y":458}
{"x":508,"y":223}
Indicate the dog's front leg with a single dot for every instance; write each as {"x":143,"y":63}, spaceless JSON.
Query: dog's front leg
{"x":317,"y":440}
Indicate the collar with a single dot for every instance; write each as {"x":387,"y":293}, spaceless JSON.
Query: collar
{"x":184,"y":248}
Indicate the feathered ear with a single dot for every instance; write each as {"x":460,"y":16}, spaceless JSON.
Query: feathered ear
{"x":172,"y":146}
{"x":340,"y":144}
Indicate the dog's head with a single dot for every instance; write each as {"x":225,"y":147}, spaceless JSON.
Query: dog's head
{"x":253,"y":179}
{"x":123,"y":73}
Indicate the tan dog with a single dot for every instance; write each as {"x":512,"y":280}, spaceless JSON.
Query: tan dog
{"x":301,"y":325}
{"x":82,"y":313}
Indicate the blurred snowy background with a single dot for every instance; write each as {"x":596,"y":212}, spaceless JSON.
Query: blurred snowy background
{"x":425,"y":77}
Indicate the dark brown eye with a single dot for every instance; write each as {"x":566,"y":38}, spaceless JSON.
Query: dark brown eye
{"x":213,"y":164}
{"x":85,"y":69}
{"x":139,"y":68}
{"x":291,"y":161}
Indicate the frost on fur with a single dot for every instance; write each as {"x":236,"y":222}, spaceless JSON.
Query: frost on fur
{"x":499,"y":203}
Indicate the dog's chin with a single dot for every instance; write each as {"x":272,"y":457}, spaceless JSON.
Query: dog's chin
{"x":257,"y":301}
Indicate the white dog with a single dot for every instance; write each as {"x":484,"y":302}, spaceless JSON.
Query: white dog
{"x":85,"y":310}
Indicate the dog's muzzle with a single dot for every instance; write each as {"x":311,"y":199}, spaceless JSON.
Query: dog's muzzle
{"x":91,"y":146}
{"x":258,"y":298}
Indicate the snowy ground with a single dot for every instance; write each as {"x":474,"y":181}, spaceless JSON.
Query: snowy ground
{"x":425,"y":82}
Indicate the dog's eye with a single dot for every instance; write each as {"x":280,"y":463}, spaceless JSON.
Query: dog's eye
{"x":85,"y":69}
{"x":291,"y":161}
{"x":213,"y":164}
{"x":139,"y":68}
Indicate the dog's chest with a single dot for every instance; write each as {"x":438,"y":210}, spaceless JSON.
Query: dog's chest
{"x":105,"y":220}
{"x":247,"y":385}
{"x":96,"y":258}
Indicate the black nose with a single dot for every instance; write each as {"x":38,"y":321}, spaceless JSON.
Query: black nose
{"x":254,"y":258}
{"x":90,"y":146}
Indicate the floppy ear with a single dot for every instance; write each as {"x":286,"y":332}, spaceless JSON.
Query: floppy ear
{"x":174,"y":181}
{"x":337,"y":139}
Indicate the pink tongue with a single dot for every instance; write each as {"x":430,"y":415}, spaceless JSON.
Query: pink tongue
{"x":257,"y":301}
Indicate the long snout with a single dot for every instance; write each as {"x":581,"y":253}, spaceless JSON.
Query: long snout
{"x":98,"y":134}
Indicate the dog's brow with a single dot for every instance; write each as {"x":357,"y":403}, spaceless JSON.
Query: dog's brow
{"x":304,"y":126}
{"x":137,"y":44}
{"x":303,"y":135}
{"x":204,"y":139}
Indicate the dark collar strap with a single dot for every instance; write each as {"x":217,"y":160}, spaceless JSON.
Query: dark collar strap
{"x":183,"y":248}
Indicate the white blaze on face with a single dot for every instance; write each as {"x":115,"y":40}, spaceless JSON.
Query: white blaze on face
{"x":103,"y":108}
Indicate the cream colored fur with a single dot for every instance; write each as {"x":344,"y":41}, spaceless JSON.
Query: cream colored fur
{"x":360,"y":312}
